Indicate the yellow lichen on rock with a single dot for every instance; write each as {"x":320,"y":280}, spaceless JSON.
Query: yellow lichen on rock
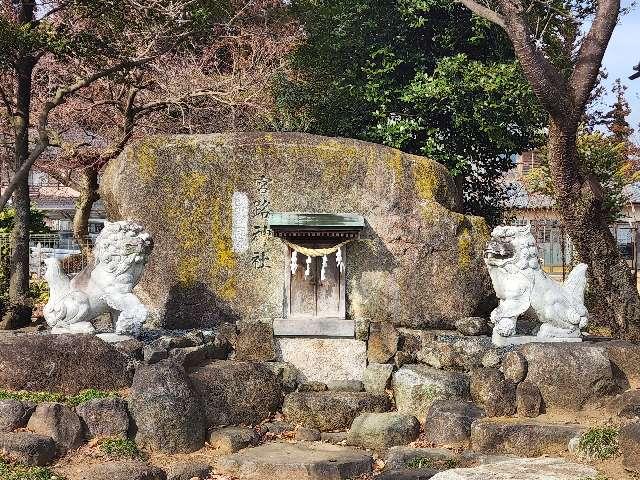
{"x":464,"y":249}
{"x":146,"y":157}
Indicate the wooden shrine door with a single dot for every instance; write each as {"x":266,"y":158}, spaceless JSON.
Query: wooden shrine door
{"x":311,"y":296}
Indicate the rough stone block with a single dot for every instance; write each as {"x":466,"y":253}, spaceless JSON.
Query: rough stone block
{"x":630,"y":446}
{"x":324,"y":359}
{"x":448,"y":423}
{"x":27,"y":448}
{"x":255,"y":342}
{"x":416,"y":387}
{"x":383,"y":342}
{"x":377,"y":377}
{"x":378,"y":431}
{"x":104,"y":417}
{"x":58,"y":422}
{"x":331,"y":410}
{"x":13,"y":414}
{"x":231,"y":439}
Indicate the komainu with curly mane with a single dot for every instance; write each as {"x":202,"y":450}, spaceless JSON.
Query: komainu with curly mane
{"x":520,"y":283}
{"x":104,"y":286}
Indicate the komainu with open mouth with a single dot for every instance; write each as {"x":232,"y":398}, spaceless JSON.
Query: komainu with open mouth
{"x":520,"y":284}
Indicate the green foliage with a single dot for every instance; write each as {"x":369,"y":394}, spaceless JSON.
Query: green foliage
{"x":437,"y":464}
{"x":120,"y":448}
{"x":73,"y":400}
{"x":36,"y":221}
{"x":600,"y":442}
{"x":10,"y":471}
{"x":424,"y":76}
{"x":601,"y":156}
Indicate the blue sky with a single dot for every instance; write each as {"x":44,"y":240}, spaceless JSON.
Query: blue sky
{"x":621,"y":55}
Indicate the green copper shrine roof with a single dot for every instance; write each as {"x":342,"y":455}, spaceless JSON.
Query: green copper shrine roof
{"x":315,"y":221}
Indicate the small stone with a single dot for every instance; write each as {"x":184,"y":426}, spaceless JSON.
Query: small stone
{"x":514,"y":367}
{"x":626,"y":405}
{"x":122,"y":470}
{"x":27,"y":448}
{"x":382,"y":430}
{"x":383,"y":342}
{"x":287,"y":374}
{"x":362,"y":329}
{"x":331,"y":410}
{"x":472,"y":326}
{"x":59,"y":422}
{"x":132,"y":348}
{"x":104,"y":417}
{"x":407,"y":474}
{"x":630,"y":446}
{"x":153,"y":354}
{"x":438,"y":355}
{"x":304,"y":434}
{"x":490,"y":359}
{"x":188,"y":471}
{"x":334,"y":437}
{"x":231,"y":439}
{"x":299,"y":461}
{"x":528,"y":400}
{"x":448,"y":422}
{"x":345,"y":385}
{"x":312,"y":387}
{"x":255,"y":342}
{"x":377,"y":377}
{"x":278,"y":427}
{"x":190,"y":357}
{"x":403,"y":358}
{"x":403,"y":457}
{"x":490,"y":389}
{"x":13,"y":415}
{"x":195,"y":337}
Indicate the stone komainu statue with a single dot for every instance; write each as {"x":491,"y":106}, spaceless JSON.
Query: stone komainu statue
{"x":520,"y":284}
{"x":104,"y":286}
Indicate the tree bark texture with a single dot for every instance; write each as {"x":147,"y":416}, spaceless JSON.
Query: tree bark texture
{"x":88,"y":196}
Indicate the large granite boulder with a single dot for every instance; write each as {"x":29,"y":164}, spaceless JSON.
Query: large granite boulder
{"x":526,"y":439}
{"x":122,"y":470}
{"x":448,"y":423}
{"x":379,"y":431}
{"x":630,"y":446}
{"x":204,"y":198}
{"x":60,"y":363}
{"x":569,"y":375}
{"x":236,"y":393}
{"x":625,"y":359}
{"x":332,"y":410}
{"x":104,"y":417}
{"x":27,"y":448}
{"x":166,"y":409}
{"x":417,"y":387}
{"x":59,"y":422}
{"x":13,"y":414}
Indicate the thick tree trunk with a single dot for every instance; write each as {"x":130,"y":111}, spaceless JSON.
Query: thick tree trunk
{"x":88,"y":196}
{"x":580,"y":205}
{"x":19,"y":313}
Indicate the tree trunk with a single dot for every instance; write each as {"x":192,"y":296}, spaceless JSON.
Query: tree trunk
{"x":19,"y":313}
{"x":580,"y":205}
{"x":88,"y":196}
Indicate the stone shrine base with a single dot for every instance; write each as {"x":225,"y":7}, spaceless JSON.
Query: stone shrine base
{"x":500,"y":341}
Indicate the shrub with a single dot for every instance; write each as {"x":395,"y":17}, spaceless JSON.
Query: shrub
{"x":599,"y":443}
{"x":10,"y":471}
{"x":72,"y":401}
{"x":120,"y":448}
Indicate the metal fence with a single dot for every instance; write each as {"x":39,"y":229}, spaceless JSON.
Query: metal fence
{"x":43,"y":246}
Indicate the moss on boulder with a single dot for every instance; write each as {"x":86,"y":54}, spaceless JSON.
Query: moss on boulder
{"x":418,"y":262}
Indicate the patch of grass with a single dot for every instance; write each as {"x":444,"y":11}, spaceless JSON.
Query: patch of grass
{"x":72,"y":401}
{"x":9,"y":471}
{"x":35,"y":397}
{"x":120,"y":448}
{"x":599,"y":443}
{"x":436,"y":464}
{"x":90,"y":394}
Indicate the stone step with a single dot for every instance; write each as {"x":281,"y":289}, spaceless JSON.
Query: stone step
{"x":329,"y":410}
{"x":522,"y":438}
{"x":543,"y":468}
{"x":300,"y":461}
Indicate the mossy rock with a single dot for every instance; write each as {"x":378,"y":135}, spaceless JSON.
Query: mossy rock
{"x":418,"y":262}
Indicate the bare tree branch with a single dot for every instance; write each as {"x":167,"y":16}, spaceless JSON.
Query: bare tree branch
{"x":484,"y":12}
